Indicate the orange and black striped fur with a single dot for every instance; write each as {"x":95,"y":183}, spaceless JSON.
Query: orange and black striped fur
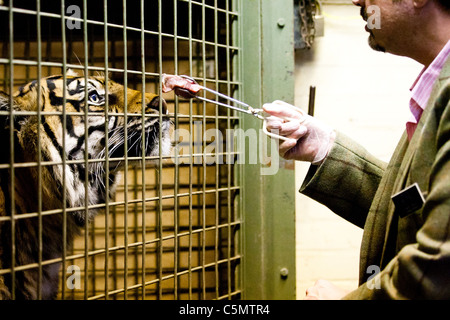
{"x":47,"y":142}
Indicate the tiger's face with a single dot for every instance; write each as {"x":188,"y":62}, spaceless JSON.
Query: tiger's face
{"x":83,"y":133}
{"x":68,"y":150}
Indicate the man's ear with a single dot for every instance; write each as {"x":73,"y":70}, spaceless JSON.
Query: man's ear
{"x":418,"y":4}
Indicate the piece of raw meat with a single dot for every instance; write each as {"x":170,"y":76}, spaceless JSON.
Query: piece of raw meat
{"x":183,"y":87}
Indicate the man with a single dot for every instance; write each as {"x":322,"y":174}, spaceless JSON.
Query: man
{"x":403,"y":206}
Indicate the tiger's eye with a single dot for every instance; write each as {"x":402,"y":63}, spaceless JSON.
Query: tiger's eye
{"x":94,"y":98}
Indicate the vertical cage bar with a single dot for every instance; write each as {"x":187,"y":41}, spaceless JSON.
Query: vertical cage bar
{"x":236,"y":5}
{"x":39,"y":149}
{"x":160,"y":166}
{"x":229,"y":167}
{"x":11,"y":150}
{"x":176,"y":159}
{"x":107,"y":209}
{"x":203,"y":139}
{"x":125,"y":182}
{"x":198,"y":144}
{"x":143,"y":167}
{"x":135,"y":211}
{"x":217,"y":165}
{"x":64,"y":124}
{"x":86,"y":154}
{"x":92,"y":224}
{"x":191,"y":156}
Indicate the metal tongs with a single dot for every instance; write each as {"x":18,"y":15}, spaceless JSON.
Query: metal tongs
{"x":258,"y":113}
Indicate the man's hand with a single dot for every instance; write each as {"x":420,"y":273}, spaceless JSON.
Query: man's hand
{"x":324,"y":290}
{"x":309,"y":139}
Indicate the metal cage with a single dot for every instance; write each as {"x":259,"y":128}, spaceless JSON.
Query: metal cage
{"x":192,"y":224}
{"x":170,"y":230}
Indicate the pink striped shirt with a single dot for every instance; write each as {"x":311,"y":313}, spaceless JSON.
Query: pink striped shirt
{"x":422,"y":87}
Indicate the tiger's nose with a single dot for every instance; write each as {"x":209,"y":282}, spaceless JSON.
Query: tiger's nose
{"x":158,"y":102}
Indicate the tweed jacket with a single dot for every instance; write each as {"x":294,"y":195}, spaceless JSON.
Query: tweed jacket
{"x":402,"y":256}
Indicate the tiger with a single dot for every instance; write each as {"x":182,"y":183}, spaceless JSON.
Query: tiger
{"x":76,"y":181}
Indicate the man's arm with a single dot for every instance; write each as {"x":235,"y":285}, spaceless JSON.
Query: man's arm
{"x":346,"y":181}
{"x":344,"y":176}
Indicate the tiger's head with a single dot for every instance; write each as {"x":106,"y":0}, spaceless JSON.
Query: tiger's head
{"x":83,"y":133}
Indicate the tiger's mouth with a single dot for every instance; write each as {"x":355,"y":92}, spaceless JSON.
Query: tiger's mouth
{"x":142,"y":135}
{"x":140,"y":140}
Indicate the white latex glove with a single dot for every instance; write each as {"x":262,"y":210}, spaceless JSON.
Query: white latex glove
{"x":309,"y":139}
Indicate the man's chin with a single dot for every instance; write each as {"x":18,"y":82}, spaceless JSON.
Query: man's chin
{"x":374,"y":44}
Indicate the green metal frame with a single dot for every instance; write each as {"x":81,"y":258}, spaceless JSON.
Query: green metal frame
{"x":267,"y":201}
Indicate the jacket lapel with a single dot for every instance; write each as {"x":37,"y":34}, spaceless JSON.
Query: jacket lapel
{"x":406,"y":164}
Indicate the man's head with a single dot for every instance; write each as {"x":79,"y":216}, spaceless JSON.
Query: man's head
{"x":413,"y":28}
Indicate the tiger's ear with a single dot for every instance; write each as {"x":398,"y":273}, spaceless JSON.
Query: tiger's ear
{"x":72,"y":73}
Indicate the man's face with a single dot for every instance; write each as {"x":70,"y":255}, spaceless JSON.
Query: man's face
{"x":394,"y":19}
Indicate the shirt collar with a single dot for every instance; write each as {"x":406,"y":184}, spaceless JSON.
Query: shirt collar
{"x":422,"y":87}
